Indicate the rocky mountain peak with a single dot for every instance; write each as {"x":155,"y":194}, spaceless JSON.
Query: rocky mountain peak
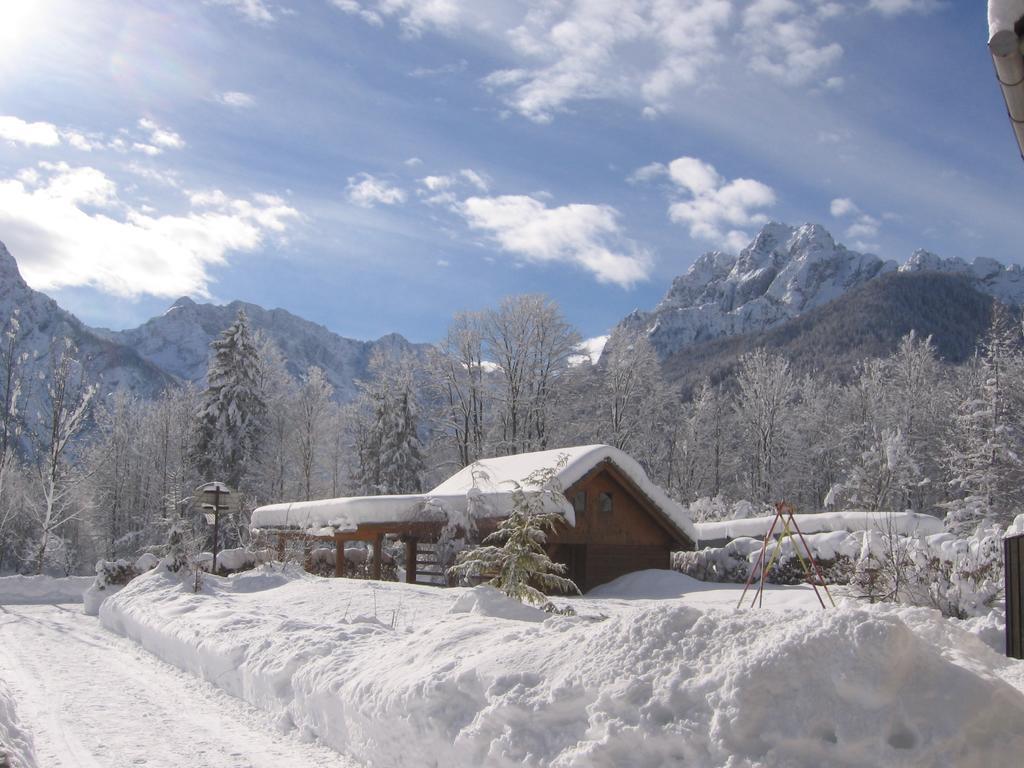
{"x":784,"y":271}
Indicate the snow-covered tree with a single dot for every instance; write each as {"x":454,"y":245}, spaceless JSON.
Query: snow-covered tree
{"x":513,"y":558}
{"x":311,"y":411}
{"x":633,"y":400}
{"x":387,"y":444}
{"x":531,"y":343}
{"x":984,"y":452}
{"x":232,"y":410}
{"x":764,"y":407}
{"x":457,"y":383}
{"x":68,"y":400}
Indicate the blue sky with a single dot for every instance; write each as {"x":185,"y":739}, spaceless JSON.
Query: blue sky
{"x":377,"y":165}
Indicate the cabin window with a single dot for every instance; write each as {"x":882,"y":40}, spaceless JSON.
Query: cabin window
{"x":605,"y":500}
{"x":579,"y":502}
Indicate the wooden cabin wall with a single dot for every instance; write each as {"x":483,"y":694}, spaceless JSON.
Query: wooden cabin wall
{"x":605,"y":545}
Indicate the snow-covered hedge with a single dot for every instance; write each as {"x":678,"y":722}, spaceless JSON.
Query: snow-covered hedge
{"x":460,"y":681}
{"x":234,"y":560}
{"x":959,"y":576}
{"x":26,"y":590}
{"x":16,"y":747}
{"x":111,"y":576}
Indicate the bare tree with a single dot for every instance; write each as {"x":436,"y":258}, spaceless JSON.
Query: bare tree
{"x":763,"y":405}
{"x":531,"y":343}
{"x":68,"y":400}
{"x":311,"y":410}
{"x":457,"y":378}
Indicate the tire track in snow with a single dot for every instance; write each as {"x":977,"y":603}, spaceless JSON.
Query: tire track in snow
{"x":94,"y":699}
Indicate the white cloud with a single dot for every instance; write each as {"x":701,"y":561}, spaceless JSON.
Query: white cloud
{"x":367,"y":191}
{"x":647,"y":173}
{"x":588,"y":51}
{"x":441,"y":189}
{"x":784,"y":36}
{"x":18,"y":131}
{"x":588,"y":236}
{"x":147,"y":149}
{"x":80,"y":141}
{"x":437,"y":183}
{"x":255,"y":11}
{"x":163,"y":138}
{"x":561,"y":52}
{"x":475,"y":179}
{"x":445,"y":69}
{"x":413,"y":162}
{"x":898,"y":7}
{"x":236,"y":99}
{"x":715,"y":209}
{"x":68,"y":226}
{"x":414,"y":16}
{"x":863,"y":227}
{"x":843,"y":206}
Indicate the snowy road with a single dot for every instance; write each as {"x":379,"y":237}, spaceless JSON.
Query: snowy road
{"x":92,"y":699}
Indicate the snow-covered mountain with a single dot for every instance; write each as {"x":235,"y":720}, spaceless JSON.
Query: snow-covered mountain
{"x":111,"y":365}
{"x":785,"y":272}
{"x":178,"y":342}
{"x":175,"y":346}
{"x":1004,"y":282}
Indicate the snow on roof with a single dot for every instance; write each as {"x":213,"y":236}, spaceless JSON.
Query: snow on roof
{"x":903,"y":523}
{"x":324,"y":517}
{"x":483,"y":489}
{"x":1003,"y":14}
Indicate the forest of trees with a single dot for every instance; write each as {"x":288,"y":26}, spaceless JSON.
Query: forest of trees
{"x":87,"y":476}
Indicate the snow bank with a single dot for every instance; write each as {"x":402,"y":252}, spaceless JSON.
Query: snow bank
{"x":395,"y":674}
{"x":903,"y":523}
{"x":16,"y":748}
{"x":25,"y":590}
{"x":1003,"y":14}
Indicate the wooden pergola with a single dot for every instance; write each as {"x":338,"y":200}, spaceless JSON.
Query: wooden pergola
{"x":409,"y":533}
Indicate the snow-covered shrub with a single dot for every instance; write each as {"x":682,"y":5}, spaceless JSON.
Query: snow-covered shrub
{"x":520,"y":567}
{"x":961,"y":577}
{"x":709,"y":509}
{"x":111,"y":576}
{"x":176,"y":557}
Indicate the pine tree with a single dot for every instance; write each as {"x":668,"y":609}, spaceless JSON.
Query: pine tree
{"x":387,"y":432}
{"x":232,"y":410}
{"x":984,"y":454}
{"x":513,"y":556}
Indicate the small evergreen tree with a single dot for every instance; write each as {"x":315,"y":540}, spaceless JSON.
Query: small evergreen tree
{"x":177,"y":556}
{"x":232,"y":411}
{"x":513,"y":556}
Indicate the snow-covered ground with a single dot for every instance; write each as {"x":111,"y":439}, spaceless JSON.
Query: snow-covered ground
{"x":28,"y":590}
{"x":656,"y":669}
{"x":89,"y":698}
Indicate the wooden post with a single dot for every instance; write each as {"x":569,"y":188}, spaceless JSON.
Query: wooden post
{"x":280,"y":547}
{"x":410,"y":560}
{"x":339,"y":556}
{"x":307,"y":553}
{"x":378,"y":545}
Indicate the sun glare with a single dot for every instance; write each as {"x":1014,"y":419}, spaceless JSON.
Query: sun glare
{"x":20,"y":22}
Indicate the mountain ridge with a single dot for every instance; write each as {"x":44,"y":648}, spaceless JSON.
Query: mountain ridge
{"x":785,"y":272}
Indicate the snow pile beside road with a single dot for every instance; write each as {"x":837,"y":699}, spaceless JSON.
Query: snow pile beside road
{"x":16,"y":749}
{"x":28,"y":590}
{"x":395,"y":674}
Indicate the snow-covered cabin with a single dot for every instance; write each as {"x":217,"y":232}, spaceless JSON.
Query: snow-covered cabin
{"x":616,"y":520}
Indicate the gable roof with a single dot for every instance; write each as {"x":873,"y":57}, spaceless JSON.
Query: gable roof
{"x":484,"y":489}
